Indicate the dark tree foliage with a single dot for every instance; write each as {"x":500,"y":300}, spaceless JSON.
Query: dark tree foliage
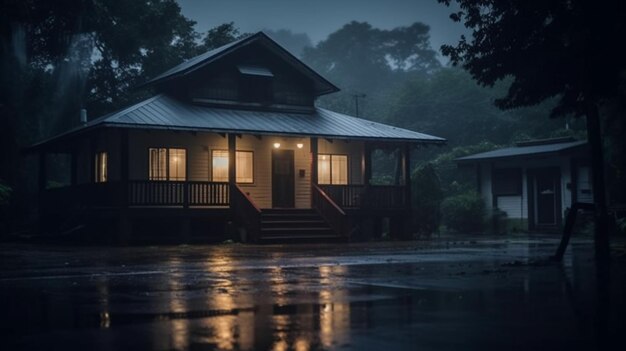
{"x":221,"y":35}
{"x":564,"y":48}
{"x":295,"y":43}
{"x":560,"y":48}
{"x":57,"y":56}
{"x":362,"y":59}
{"x":426,"y":200}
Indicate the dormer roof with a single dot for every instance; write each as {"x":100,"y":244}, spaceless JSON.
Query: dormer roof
{"x":321,"y":85}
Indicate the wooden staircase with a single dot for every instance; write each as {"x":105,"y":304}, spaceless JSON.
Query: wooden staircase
{"x":295,"y":225}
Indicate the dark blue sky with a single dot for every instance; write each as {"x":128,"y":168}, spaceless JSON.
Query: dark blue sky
{"x":318,"y":18}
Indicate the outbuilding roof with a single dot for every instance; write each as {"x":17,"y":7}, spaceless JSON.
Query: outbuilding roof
{"x":529,"y":149}
{"x":165,"y":112}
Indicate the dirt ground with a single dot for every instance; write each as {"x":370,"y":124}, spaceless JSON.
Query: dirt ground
{"x":445,"y":293}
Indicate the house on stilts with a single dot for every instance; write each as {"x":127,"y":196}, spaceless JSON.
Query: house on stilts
{"x":232,"y":141}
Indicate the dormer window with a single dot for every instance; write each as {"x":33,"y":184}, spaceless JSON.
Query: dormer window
{"x":255,"y":84}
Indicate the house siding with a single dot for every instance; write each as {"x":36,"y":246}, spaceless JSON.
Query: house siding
{"x":199,"y":148}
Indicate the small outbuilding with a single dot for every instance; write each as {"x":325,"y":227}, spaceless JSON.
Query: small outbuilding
{"x":534,"y":182}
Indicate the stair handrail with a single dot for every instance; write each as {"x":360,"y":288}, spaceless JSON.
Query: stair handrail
{"x":246,"y":211}
{"x":334,"y":215}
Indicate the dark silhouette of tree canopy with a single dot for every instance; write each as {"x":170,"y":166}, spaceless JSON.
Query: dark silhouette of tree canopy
{"x":560,"y":48}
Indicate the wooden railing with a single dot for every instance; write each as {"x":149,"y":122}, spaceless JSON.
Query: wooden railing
{"x":161,"y":193}
{"x":139,"y":193}
{"x":247,"y":212}
{"x":330,"y":211}
{"x":370,"y":197}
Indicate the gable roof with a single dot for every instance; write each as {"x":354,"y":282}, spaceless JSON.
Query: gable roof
{"x":322,"y":85}
{"x":525,"y":151}
{"x":168,"y":113}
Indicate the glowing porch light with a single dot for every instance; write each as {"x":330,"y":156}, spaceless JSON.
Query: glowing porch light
{"x":300,"y":145}
{"x":276,"y":145}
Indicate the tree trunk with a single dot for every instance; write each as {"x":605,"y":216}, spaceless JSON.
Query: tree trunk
{"x":601,"y":217}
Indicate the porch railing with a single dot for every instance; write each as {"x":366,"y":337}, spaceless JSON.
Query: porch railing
{"x":247,"y":212}
{"x":371,"y":197}
{"x":156,"y":193}
{"x":330,"y":211}
{"x":139,"y":193}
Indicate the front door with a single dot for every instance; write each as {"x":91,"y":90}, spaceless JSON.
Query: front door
{"x":283,"y":178}
{"x":546,"y":197}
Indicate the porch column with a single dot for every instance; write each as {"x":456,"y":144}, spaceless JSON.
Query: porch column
{"x":232,"y":163}
{"x":407,"y":175}
{"x":366,"y":163}
{"x":124,"y":166}
{"x":314,"y":172}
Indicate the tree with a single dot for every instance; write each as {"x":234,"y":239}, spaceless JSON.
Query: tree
{"x":561,"y":48}
{"x":221,"y":35}
{"x":293,"y":42}
{"x":362,"y":59}
{"x":57,"y":56}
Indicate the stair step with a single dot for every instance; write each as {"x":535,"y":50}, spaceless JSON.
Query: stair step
{"x":300,"y":237}
{"x":294,"y":225}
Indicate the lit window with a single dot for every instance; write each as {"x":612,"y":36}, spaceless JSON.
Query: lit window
{"x":102,"y":159}
{"x":332,"y":169}
{"x":167,"y":164}
{"x":244,"y":163}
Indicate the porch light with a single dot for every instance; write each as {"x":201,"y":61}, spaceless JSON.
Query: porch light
{"x":276,"y":145}
{"x":300,"y":145}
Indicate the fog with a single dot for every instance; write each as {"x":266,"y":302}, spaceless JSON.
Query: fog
{"x":319,"y":18}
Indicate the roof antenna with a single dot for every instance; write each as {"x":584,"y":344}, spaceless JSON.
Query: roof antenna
{"x":356,"y":101}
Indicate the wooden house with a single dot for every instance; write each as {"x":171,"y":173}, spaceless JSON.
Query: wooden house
{"x":534,"y":182}
{"x":232,"y":136}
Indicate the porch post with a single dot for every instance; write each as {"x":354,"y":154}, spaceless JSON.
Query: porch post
{"x":124,"y":166}
{"x":314,"y":171}
{"x":232,"y":164}
{"x":407,"y":175}
{"x":366,"y":163}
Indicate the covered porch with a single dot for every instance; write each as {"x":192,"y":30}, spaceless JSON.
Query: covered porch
{"x":121,"y":192}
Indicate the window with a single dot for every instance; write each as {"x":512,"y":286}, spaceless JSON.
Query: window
{"x":244,"y":163}
{"x":102,"y":160}
{"x":167,"y":164}
{"x":332,"y":169}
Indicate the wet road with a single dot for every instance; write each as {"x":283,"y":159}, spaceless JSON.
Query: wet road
{"x":461,"y":293}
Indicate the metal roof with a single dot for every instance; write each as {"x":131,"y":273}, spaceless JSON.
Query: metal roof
{"x":520,"y":151}
{"x":165,"y":112}
{"x":323,"y":86}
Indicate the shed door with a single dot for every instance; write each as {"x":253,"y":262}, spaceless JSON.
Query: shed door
{"x":283,"y":194}
{"x":546,"y":184}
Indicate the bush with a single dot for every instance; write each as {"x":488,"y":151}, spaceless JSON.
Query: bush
{"x":5,"y":194}
{"x":426,"y":197}
{"x":464,"y":212}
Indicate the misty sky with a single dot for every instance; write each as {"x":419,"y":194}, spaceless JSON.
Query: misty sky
{"x":318,"y":18}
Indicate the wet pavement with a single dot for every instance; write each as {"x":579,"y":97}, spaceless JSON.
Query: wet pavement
{"x":448,"y":293}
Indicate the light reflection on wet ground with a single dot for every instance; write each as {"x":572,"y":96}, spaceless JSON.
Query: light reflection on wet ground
{"x":463,"y":293}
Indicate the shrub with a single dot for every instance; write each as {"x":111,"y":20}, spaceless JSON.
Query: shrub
{"x":5,"y":194}
{"x":426,"y":198}
{"x":464,"y":212}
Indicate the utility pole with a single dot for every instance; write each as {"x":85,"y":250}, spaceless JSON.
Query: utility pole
{"x":356,"y":101}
